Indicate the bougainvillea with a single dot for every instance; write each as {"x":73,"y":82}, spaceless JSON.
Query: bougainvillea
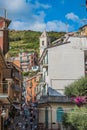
{"x":79,"y":101}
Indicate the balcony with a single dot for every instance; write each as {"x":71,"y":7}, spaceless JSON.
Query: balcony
{"x":5,"y":92}
{"x":56,"y":99}
{"x":45,"y":65}
{"x":42,"y":81}
{"x":25,"y":63}
{"x":18,"y":76}
{"x":16,"y":100}
{"x":24,"y":60}
{"x":40,"y":73}
{"x":16,"y":88}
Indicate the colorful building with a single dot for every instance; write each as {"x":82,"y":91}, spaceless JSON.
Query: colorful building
{"x":28,"y":60}
{"x":4,"y":41}
{"x":31,"y":88}
{"x":10,"y":76}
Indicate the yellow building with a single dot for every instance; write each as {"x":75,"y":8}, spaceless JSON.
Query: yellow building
{"x":83,"y":30}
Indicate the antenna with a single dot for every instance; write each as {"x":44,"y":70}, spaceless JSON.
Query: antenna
{"x":66,"y":27}
{"x":5,"y":12}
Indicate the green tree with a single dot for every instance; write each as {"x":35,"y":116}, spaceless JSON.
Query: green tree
{"x":77,"y":88}
{"x":77,"y":118}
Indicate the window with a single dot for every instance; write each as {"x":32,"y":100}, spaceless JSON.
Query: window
{"x":42,"y":43}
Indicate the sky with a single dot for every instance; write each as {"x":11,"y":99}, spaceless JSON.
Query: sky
{"x":40,"y":15}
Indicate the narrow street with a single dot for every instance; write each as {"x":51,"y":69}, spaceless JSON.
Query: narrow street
{"x":25,"y":119}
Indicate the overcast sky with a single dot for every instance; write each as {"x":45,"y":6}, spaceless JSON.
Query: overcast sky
{"x":52,"y":15}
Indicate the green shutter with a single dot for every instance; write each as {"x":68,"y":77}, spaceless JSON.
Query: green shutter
{"x":59,"y":114}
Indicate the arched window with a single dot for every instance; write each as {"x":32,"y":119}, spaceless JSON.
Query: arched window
{"x":59,"y":114}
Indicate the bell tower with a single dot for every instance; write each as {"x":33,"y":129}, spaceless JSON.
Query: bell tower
{"x":44,"y":41}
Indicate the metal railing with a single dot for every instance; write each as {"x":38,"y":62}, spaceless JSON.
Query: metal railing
{"x":17,"y":88}
{"x":63,"y":99}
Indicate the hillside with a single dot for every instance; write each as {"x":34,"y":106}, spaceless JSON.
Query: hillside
{"x":27,"y":40}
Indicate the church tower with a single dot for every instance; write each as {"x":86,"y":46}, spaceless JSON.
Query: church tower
{"x":44,"y":42}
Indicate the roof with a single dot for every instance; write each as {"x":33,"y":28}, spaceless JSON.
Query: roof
{"x":17,"y":63}
{"x":35,"y":76}
{"x":53,"y":92}
{"x":44,"y":34}
{"x":83,"y":26}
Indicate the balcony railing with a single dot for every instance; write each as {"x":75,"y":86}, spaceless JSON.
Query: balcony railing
{"x":58,"y":99}
{"x":45,"y":65}
{"x":25,"y":63}
{"x":42,"y":80}
{"x":16,"y":99}
{"x":17,"y":88}
{"x":24,"y":60}
{"x":18,"y":76}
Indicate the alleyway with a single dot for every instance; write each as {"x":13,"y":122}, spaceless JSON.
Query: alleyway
{"x":24,"y":120}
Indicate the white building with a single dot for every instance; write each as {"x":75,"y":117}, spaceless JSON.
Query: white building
{"x":61,"y":63}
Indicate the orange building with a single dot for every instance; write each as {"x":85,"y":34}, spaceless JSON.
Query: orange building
{"x":31,"y":87}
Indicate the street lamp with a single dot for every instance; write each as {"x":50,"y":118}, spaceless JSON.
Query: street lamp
{"x":3,"y":115}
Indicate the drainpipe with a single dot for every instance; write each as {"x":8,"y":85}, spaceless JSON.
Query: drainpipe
{"x":51,"y":113}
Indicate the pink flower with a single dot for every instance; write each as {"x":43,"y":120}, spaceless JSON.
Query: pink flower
{"x":79,"y":100}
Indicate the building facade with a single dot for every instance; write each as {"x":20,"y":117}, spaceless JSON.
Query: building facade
{"x":4,"y":41}
{"x":28,"y":60}
{"x":31,"y":88}
{"x":61,"y":64}
{"x":17,"y":81}
{"x":10,"y":76}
